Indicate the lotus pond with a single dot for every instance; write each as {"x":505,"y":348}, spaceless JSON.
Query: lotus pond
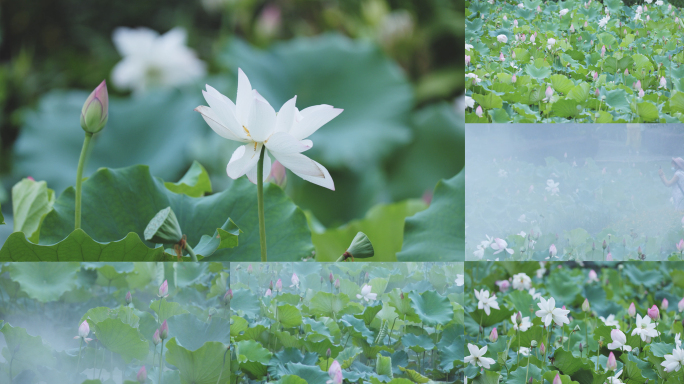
{"x":397,"y":323}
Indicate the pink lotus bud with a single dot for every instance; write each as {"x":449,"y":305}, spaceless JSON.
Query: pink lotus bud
{"x":494,"y":335}
{"x":653,"y":312}
{"x":664,"y":305}
{"x":268,"y":293}
{"x":155,"y":338}
{"x":478,"y":111}
{"x":95,"y":111}
{"x":611,"y":365}
{"x":334,"y":369}
{"x":557,"y":379}
{"x":609,"y":257}
{"x":572,"y":28}
{"x":279,"y":285}
{"x":503,"y":285}
{"x":518,"y":317}
{"x":538,"y":9}
{"x":597,"y":93}
{"x":228,"y":296}
{"x":164,"y":331}
{"x":83,"y":329}
{"x":648,"y":18}
{"x":549,"y":92}
{"x":249,"y":269}
{"x":680,"y":305}
{"x":129,"y":298}
{"x":641,"y":93}
{"x":467,"y":60}
{"x":603,"y":51}
{"x":515,"y":23}
{"x":631,"y":311}
{"x":552,"y":250}
{"x":542,"y":348}
{"x":331,"y":278}
{"x":514,"y":78}
{"x":585,"y":24}
{"x":501,"y":57}
{"x":142,"y":375}
{"x":31,"y":178}
{"x":592,"y":275}
{"x":278,"y":175}
{"x":337,"y":283}
{"x":604,"y":242}
{"x":327,"y":353}
{"x":663,"y":83}
{"x":626,"y":71}
{"x":164,"y":289}
{"x":595,"y":76}
{"x":585,"y":306}
{"x":269,"y":20}
{"x":513,"y":55}
{"x":638,"y":84}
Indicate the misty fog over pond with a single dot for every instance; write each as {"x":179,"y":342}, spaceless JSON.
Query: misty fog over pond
{"x":552,"y":191}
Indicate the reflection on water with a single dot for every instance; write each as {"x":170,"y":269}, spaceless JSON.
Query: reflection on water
{"x":574,"y":188}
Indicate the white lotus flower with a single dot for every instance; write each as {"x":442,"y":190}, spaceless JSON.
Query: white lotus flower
{"x":548,"y":312}
{"x":534,"y":293}
{"x":551,"y":42}
{"x":150,"y":60}
{"x":552,"y":187}
{"x":500,"y":245}
{"x":521,"y":5}
{"x":479,"y":253}
{"x":473,"y":76}
{"x":644,"y":328}
{"x":468,"y":47}
{"x":366,"y":293}
{"x":522,"y":219}
{"x":649,"y":1}
{"x":477,"y":357}
{"x":524,"y":326}
{"x":485,"y":302}
{"x":615,"y":379}
{"x":678,"y":340}
{"x":460,"y":280}
{"x":524,"y":351}
{"x":563,"y":12}
{"x":619,"y":340}
{"x":521,"y":281}
{"x":610,"y":321}
{"x":469,"y":102}
{"x":659,"y":3}
{"x":674,"y":361}
{"x":604,"y":21}
{"x":502,"y":39}
{"x":252,"y":120}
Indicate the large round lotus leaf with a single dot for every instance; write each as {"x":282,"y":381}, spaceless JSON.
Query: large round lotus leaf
{"x":203,"y":366}
{"x":432,"y":308}
{"x":331,"y":69}
{"x":153,"y":129}
{"x":247,"y":302}
{"x":438,"y":233}
{"x":120,"y":338}
{"x":118,"y":201}
{"x":192,"y":333}
{"x":25,"y":351}
{"x":252,"y":358}
{"x":45,"y":282}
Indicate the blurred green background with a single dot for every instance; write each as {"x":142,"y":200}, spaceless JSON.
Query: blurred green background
{"x":391,"y":64}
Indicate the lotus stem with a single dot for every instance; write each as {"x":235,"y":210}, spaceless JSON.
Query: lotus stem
{"x":191,"y":252}
{"x":161,"y":354}
{"x":79,"y":178}
{"x":260,"y":204}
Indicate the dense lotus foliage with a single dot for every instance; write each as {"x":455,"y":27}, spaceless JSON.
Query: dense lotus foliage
{"x":397,"y":323}
{"x":66,"y":323}
{"x":573,"y":61}
{"x":571,"y":208}
{"x":531,"y":322}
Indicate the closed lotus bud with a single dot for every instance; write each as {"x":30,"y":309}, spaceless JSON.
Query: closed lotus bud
{"x":557,"y":379}
{"x":514,"y":78}
{"x":529,"y":381}
{"x":664,"y":305}
{"x":330,"y":277}
{"x":279,"y":285}
{"x":155,"y":338}
{"x":542,"y":348}
{"x":164,"y":228}
{"x":581,"y":348}
{"x":164,"y":331}
{"x":518,"y":318}
{"x":604,"y":244}
{"x":95,"y":111}
{"x":402,"y":296}
{"x":361,"y":247}
{"x":327,"y":353}
{"x":680,"y":305}
{"x":585,"y":306}
{"x":142,"y":375}
{"x":609,"y":257}
{"x":129,"y":299}
{"x":597,"y":92}
{"x":270,"y":285}
{"x":494,"y":335}
{"x":228,"y":296}
{"x":653,"y":312}
{"x":164,"y":289}
{"x":611,"y":365}
{"x":249,"y":269}
{"x":631,"y":311}
{"x":337,"y":283}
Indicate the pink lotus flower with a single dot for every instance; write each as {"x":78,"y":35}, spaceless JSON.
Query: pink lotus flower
{"x":585,"y":24}
{"x":478,"y":111}
{"x":335,"y":373}
{"x":504,"y":285}
{"x":83,"y":332}
{"x":538,"y":9}
{"x":142,"y":375}
{"x":500,"y":245}
{"x":653,"y":312}
{"x":611,"y":365}
{"x":494,"y":335}
{"x":467,"y":59}
{"x":593,"y":276}
{"x":163,"y":289}
{"x":295,"y":280}
{"x":664,"y":305}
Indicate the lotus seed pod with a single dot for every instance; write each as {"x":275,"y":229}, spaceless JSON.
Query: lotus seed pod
{"x":164,"y":228}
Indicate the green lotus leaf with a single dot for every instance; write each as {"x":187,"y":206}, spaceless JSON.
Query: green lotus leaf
{"x":120,"y":338}
{"x":166,"y":309}
{"x":209,"y":364}
{"x":438,"y":233}
{"x":488,"y":101}
{"x":195,"y":182}
{"x":288,"y":316}
{"x":432,"y":308}
{"x":25,"y":351}
{"x":252,"y":358}
{"x":45,"y":282}
{"x":31,"y":201}
{"x":330,"y":305}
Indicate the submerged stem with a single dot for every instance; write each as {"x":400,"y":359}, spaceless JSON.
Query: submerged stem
{"x":79,"y":178}
{"x":260,"y":203}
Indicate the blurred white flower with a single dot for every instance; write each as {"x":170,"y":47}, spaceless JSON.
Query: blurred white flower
{"x":524,"y":351}
{"x":502,"y":39}
{"x":468,"y":47}
{"x":678,"y":340}
{"x":469,"y":102}
{"x":395,"y":26}
{"x":552,"y":187}
{"x":522,"y":219}
{"x":500,"y":245}
{"x":521,"y":281}
{"x":674,"y":361}
{"x":460,"y":280}
{"x":604,"y":21}
{"x":533,"y":292}
{"x":473,"y":76}
{"x":366,"y":293}
{"x":610,"y":321}
{"x":502,"y":173}
{"x":150,"y":60}
{"x":615,"y":379}
{"x":252,"y":120}
{"x":563,"y":12}
{"x":659,"y":3}
{"x":479,"y":253}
